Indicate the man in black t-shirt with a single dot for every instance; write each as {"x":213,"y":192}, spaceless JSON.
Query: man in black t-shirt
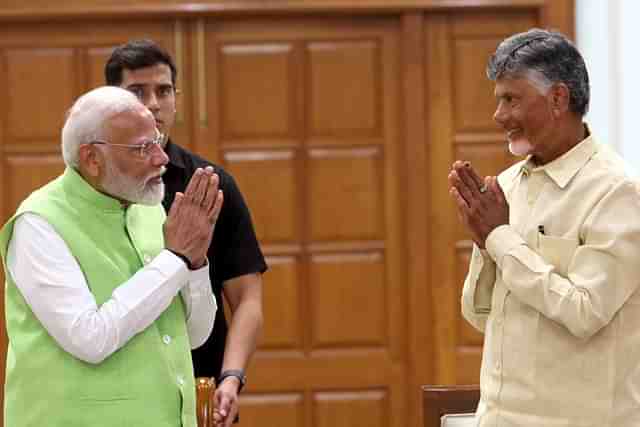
{"x":235,"y":259}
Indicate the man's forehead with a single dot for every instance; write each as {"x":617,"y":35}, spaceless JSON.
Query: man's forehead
{"x":159,"y":74}
{"x":133,"y":118}
{"x":510,"y":84}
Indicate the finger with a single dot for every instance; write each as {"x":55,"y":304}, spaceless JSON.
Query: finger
{"x":214,"y":213}
{"x":461,"y":203}
{"x":200,"y":191}
{"x":474,"y":175}
{"x":468,"y":176}
{"x":231,"y":417}
{"x":223,"y":405}
{"x":175,"y":206}
{"x":212,"y":192}
{"x":462,"y":188}
{"x":193,"y":183}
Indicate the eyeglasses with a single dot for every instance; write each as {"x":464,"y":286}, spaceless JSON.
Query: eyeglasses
{"x":143,"y":150}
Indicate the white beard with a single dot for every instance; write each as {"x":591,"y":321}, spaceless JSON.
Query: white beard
{"x":118,"y":184}
{"x":520,"y":147}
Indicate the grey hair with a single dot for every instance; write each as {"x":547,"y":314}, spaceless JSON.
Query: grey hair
{"x":87,"y":117}
{"x":544,"y":57}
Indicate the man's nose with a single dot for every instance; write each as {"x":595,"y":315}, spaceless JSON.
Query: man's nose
{"x":151,"y":101}
{"x":500,"y":115}
{"x":158,"y":156}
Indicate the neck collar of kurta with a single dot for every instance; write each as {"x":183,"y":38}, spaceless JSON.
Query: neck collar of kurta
{"x":76,"y":185}
{"x":565,"y":167}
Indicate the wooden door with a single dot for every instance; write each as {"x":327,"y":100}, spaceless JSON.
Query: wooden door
{"x":461,"y":107}
{"x":304,"y":113}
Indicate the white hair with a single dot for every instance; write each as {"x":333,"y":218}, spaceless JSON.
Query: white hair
{"x":539,"y":81}
{"x":87,"y":117}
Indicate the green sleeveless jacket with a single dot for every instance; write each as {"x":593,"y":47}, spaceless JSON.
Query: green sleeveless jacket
{"x":149,"y":381}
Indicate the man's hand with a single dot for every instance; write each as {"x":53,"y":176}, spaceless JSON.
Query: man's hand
{"x":226,"y":402}
{"x":193,"y":215}
{"x":481,"y":204}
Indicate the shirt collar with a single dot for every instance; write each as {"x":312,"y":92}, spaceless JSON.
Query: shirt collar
{"x":174,"y":154}
{"x":565,"y":167}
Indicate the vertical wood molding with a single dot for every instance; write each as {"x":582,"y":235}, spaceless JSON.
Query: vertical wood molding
{"x":201,"y":91}
{"x":439,"y":112}
{"x":415,"y":198}
{"x":178,"y":44}
{"x":4,"y":94}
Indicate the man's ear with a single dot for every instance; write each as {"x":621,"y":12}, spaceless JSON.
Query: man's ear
{"x":560,"y":99}
{"x":90,"y":160}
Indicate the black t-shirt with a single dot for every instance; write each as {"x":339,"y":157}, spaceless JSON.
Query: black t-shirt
{"x":234,"y":249}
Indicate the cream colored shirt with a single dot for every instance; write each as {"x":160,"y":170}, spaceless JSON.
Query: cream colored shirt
{"x":556,"y":295}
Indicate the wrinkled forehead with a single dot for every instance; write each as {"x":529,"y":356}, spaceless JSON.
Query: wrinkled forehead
{"x":135,"y":122}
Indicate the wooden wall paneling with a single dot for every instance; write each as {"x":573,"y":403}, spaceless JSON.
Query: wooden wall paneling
{"x":324,"y":94}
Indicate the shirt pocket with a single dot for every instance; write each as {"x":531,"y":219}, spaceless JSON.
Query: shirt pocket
{"x":557,"y":251}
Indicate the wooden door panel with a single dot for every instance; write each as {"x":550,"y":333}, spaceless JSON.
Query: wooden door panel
{"x":349,"y":306}
{"x":352,"y":408}
{"x":38,"y":98}
{"x":271,"y":190}
{"x":474,"y":92}
{"x":96,"y":58}
{"x":346,"y":194}
{"x":344,"y":93}
{"x":283,"y":326}
{"x":258,"y":83}
{"x":316,"y":163}
{"x":265,"y":409}
{"x":25,"y":173}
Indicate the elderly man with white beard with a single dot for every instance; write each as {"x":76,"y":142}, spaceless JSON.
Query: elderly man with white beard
{"x":106,"y":294}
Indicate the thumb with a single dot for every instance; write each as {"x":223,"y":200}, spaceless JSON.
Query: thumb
{"x":223,"y":404}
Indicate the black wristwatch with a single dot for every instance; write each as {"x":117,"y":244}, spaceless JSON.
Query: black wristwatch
{"x":238,"y":373}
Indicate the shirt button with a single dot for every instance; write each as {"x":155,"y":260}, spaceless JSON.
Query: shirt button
{"x":166,"y":339}
{"x":180,"y":380}
{"x":147,"y":259}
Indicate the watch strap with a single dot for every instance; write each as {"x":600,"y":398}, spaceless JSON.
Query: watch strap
{"x":238,"y":373}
